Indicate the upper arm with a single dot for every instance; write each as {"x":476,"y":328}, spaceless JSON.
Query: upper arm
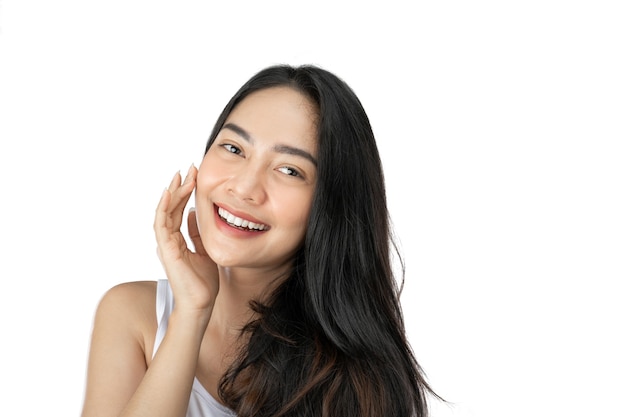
{"x":121,"y":344}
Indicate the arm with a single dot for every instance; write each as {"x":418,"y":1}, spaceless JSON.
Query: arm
{"x":166,"y":385}
{"x":117,"y":357}
{"x":120,"y":383}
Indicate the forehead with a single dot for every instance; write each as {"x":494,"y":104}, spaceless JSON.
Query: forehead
{"x":278,"y":114}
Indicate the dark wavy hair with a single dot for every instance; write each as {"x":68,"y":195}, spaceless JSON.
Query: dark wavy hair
{"x":331,"y":341}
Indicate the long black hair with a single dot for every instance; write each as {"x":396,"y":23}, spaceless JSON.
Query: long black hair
{"x":331,"y":339}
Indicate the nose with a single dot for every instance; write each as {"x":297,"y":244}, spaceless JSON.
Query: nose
{"x":248,"y":184}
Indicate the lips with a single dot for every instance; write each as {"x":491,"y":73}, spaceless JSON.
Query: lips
{"x":235,"y":221}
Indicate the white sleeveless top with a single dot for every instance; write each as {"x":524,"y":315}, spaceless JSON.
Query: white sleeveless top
{"x":201,"y":403}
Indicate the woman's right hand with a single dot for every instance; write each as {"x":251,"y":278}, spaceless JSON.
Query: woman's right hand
{"x":192,"y":275}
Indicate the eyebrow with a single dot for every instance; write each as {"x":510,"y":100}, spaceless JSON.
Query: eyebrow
{"x":286,"y":149}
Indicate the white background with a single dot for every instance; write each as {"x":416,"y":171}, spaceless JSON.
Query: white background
{"x":501,"y":126}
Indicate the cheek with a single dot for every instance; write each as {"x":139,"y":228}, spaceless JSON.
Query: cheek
{"x":298,"y":210}
{"x":206,"y":178}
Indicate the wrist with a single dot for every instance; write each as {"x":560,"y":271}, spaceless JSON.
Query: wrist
{"x":190,"y":320}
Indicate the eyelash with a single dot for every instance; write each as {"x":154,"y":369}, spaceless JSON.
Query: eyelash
{"x":230,"y":148}
{"x":293,"y":173}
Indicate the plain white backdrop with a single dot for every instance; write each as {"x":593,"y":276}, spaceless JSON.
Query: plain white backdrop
{"x":501,"y":126}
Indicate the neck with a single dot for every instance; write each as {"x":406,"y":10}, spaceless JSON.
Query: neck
{"x":238,"y":287}
{"x":231,"y":312}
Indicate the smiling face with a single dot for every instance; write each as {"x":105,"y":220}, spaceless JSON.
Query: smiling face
{"x":256,"y":182}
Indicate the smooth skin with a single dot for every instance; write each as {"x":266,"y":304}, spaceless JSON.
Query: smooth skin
{"x":261,"y":169}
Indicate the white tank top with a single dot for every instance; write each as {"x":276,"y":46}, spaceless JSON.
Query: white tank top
{"x":201,"y":403}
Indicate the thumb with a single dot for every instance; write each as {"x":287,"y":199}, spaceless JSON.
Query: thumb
{"x":194,"y":233}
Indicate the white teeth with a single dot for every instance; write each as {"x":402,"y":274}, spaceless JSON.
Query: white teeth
{"x":238,"y":221}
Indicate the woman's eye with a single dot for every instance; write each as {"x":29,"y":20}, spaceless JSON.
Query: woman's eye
{"x":289,"y":171}
{"x":231,"y":148}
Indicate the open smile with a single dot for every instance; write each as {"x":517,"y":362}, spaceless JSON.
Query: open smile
{"x":240,"y":223}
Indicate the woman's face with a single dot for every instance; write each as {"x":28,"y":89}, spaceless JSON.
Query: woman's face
{"x":255,"y":184}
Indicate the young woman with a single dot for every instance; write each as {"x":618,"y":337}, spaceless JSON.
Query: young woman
{"x":286,"y":304}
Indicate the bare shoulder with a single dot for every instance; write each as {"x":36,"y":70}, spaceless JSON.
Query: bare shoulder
{"x":129,"y":298}
{"x":133,"y":290}
{"x":130,"y":308}
{"x":121,"y":346}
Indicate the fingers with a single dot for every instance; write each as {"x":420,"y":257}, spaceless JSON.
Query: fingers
{"x":181,"y":192}
{"x":169,"y":212}
{"x":175,"y":183}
